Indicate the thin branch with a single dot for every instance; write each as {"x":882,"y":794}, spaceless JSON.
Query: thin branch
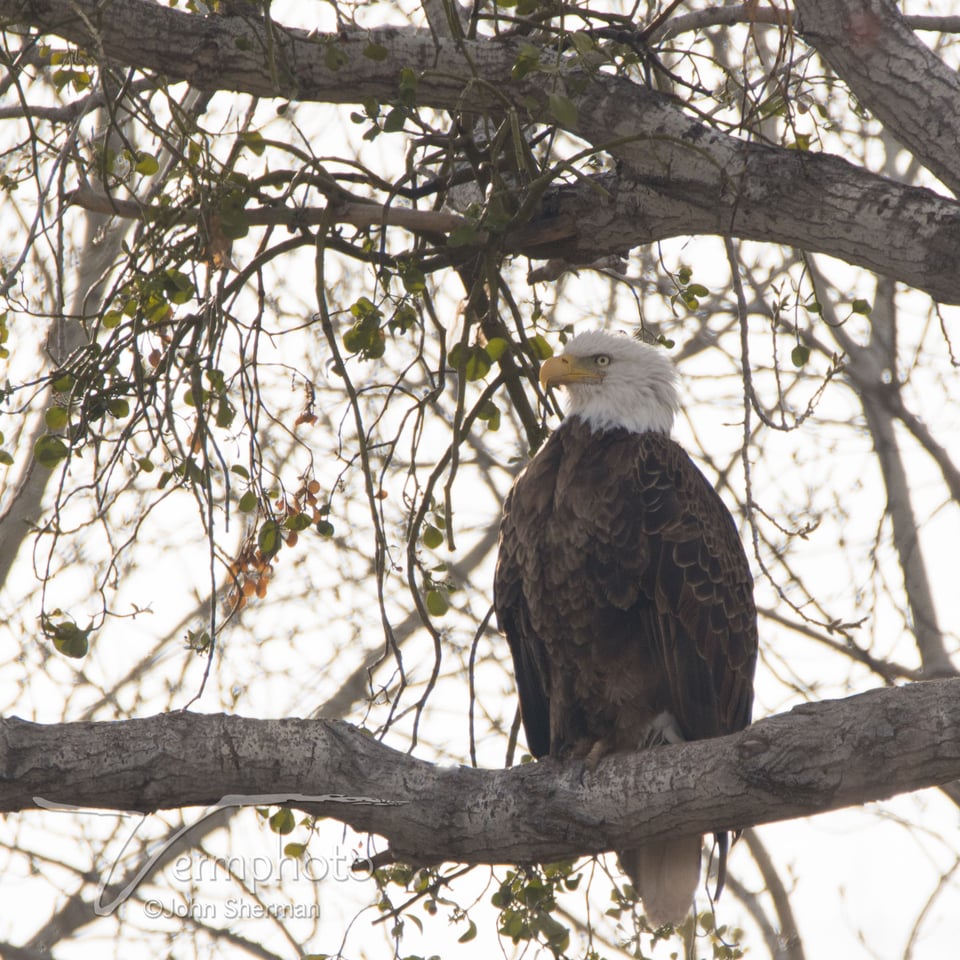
{"x":354,"y":213}
{"x":789,"y":945}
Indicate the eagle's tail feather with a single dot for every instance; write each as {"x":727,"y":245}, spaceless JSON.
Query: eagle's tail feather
{"x":665,"y":874}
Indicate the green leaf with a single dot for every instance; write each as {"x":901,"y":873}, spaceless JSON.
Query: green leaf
{"x":146,"y":164}
{"x":375,"y":51}
{"x":67,"y":637}
{"x":75,"y":645}
{"x":563,"y":110}
{"x":490,"y":413}
{"x":111,"y":319}
{"x":413,"y":279}
{"x":394,"y":120}
{"x":478,"y":364}
{"x":55,"y":418}
{"x":283,"y":821}
{"x":404,"y":319}
{"x":248,"y":502}
{"x":49,"y":450}
{"x":325,"y":528}
{"x":146,"y":465}
{"x":294,"y":850}
{"x":6,"y":459}
{"x":555,"y":933}
{"x":541,"y":348}
{"x":432,"y":537}
{"x":364,"y":308}
{"x":408,"y":86}
{"x":698,"y":290}
{"x":216,"y":380}
{"x":269,"y":539}
{"x":495,"y":347}
{"x":119,"y":408}
{"x":253,"y":141}
{"x":157,"y":309}
{"x":474,"y":362}
{"x":861,"y":306}
{"x":63,"y":384}
{"x":528,"y":60}
{"x":377,"y":346}
{"x":437,"y":602}
{"x":471,"y":932}
{"x":178,"y":285}
{"x":225,"y":413}
{"x":355,"y":339}
{"x":297,"y":521}
{"x":333,"y":57}
{"x":799,"y":355}
{"x":582,"y":42}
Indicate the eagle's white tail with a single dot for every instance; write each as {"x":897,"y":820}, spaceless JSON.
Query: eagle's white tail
{"x":665,"y":874}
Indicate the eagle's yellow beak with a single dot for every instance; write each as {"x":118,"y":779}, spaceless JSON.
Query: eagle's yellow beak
{"x":559,"y":371}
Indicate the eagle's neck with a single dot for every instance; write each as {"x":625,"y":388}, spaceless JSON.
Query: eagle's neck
{"x":628,"y":411}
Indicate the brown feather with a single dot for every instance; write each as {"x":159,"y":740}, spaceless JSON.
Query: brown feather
{"x":624,"y":592}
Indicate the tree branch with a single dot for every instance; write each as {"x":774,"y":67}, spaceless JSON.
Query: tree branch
{"x":818,"y":757}
{"x":679,"y":176}
{"x":357,"y":214}
{"x":900,"y":80}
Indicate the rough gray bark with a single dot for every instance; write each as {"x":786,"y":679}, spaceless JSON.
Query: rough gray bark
{"x":899,"y":79}
{"x":677,"y":176}
{"x":818,"y":757}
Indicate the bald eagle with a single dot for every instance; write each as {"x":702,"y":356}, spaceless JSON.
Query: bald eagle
{"x":624,"y":591}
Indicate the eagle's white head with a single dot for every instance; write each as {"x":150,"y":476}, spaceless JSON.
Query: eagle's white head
{"x":615,"y":381}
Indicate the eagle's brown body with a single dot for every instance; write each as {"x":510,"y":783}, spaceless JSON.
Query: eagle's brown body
{"x":625,"y":594}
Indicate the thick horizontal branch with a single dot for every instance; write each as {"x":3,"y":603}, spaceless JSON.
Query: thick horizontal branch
{"x":815,"y":202}
{"x":818,"y":757}
{"x":677,"y":175}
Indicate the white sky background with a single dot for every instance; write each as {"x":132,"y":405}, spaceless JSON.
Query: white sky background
{"x":861,"y":877}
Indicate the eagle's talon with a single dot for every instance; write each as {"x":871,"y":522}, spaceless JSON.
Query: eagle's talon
{"x":597,"y":752}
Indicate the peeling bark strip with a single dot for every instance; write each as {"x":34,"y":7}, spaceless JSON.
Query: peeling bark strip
{"x":818,"y":757}
{"x":677,"y":176}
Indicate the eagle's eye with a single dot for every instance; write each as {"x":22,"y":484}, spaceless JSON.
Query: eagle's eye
{"x":601,"y":360}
